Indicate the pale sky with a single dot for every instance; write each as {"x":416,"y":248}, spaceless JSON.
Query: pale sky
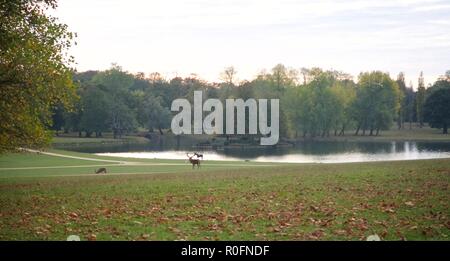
{"x":179,"y":37}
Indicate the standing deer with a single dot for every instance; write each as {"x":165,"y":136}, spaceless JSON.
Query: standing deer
{"x":100,"y":170}
{"x":193,"y":161}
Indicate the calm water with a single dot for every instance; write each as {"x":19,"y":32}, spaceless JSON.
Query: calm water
{"x":305,"y":152}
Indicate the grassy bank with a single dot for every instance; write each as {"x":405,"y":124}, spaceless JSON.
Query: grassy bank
{"x":222,"y":201}
{"x":71,"y":139}
{"x":394,"y":134}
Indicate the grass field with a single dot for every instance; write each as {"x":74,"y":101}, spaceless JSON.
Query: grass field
{"x":47,"y":197}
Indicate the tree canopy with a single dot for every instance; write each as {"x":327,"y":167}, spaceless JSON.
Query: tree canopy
{"x":35,"y":74}
{"x":437,"y":105}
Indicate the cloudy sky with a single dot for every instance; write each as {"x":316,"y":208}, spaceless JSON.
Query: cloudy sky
{"x":179,"y":37}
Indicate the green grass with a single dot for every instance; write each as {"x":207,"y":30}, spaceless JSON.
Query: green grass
{"x":396,"y":200}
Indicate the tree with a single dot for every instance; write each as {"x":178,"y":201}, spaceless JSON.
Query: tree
{"x":420,"y":100}
{"x":410,"y":97}
{"x":96,"y":108}
{"x":437,"y":106}
{"x":117,"y":83}
{"x":445,"y":77}
{"x":403,"y":101}
{"x":282,"y":77}
{"x":58,"y":120}
{"x":152,"y":114}
{"x":320,"y":106}
{"x":377,"y":102}
{"x":34,"y":72}
{"x":121,"y":119}
{"x":229,"y":75}
{"x":345,"y":92}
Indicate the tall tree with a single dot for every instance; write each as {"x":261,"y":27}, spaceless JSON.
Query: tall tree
{"x":96,"y":108}
{"x":229,"y":75}
{"x":403,"y":101}
{"x":437,"y":106}
{"x":35,"y":72}
{"x":58,"y":120}
{"x":410,"y":104}
{"x":117,"y":83}
{"x":151,"y":114}
{"x":377,"y":102}
{"x":420,"y":99}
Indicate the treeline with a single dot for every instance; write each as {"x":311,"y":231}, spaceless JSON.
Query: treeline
{"x":314,"y":102}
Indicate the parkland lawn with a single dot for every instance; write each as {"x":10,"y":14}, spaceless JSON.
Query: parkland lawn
{"x":48,"y":197}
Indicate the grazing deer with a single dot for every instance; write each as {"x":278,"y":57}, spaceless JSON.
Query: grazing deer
{"x":100,"y":170}
{"x":194,"y":161}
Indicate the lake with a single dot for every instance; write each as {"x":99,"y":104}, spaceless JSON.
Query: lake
{"x":303,"y":152}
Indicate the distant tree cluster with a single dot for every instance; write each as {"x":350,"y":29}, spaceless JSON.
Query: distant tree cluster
{"x":314,"y":102}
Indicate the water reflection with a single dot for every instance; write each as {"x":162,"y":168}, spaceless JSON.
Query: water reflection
{"x":308,"y":152}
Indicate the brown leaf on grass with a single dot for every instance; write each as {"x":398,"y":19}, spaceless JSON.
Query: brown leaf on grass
{"x":384,"y":233}
{"x":73,"y":215}
{"x":409,"y":203}
{"x":316,"y":235}
{"x":387,"y":208}
{"x":275,"y":229}
{"x":340,"y":232}
{"x":428,"y":231}
{"x":314,"y":208}
{"x":381,"y":223}
{"x":92,"y":237}
{"x":175,"y":230}
{"x":400,"y":235}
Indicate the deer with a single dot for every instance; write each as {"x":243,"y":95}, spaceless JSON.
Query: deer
{"x":193,"y":161}
{"x":100,"y":171}
{"x":198,"y":155}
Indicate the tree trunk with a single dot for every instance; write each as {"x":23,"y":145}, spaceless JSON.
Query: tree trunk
{"x":444,"y":129}
{"x":160,"y":131}
{"x":80,"y":134}
{"x":378,"y":131}
{"x":342,"y":131}
{"x":357,"y":130}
